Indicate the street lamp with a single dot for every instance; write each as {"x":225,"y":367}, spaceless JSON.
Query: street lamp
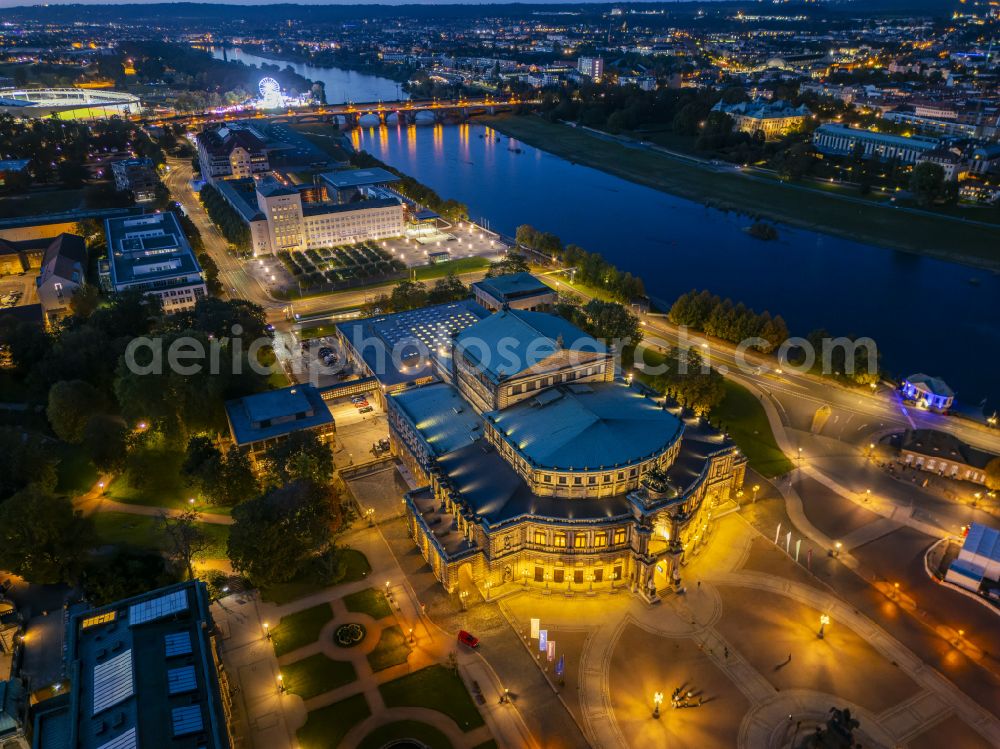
{"x":267,"y":631}
{"x":411,"y":635}
{"x":657,"y":699}
{"x":756,"y":488}
{"x":488,"y":584}
{"x":739,"y":495}
{"x":823,"y":621}
{"x":800,"y":457}
{"x":281,"y":684}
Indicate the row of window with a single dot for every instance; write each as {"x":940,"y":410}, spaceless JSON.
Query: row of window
{"x":545,"y":382}
{"x":579,"y":540}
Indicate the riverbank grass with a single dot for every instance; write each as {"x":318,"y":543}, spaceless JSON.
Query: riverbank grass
{"x":790,"y":203}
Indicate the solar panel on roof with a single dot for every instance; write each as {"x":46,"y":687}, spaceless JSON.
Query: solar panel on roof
{"x":157,"y":608}
{"x":181,"y":680}
{"x":186,"y":719}
{"x":126,"y":740}
{"x":112,"y":681}
{"x":178,"y":643}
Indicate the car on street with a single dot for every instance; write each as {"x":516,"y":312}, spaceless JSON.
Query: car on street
{"x":468,"y":639}
{"x":366,"y":410}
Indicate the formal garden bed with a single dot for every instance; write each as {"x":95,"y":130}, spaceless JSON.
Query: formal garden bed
{"x":300,"y":629}
{"x":436,"y":688}
{"x":326,"y":727}
{"x":392,"y":649}
{"x":369,"y":601}
{"x":316,"y":675}
{"x":420,"y":733}
{"x":349,"y":635}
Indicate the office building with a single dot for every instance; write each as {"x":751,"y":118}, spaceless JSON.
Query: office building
{"x":151,"y":253}
{"x":978,"y":565}
{"x":137,"y":176}
{"x":143,"y":672}
{"x":592,"y":66}
{"x":839,"y":140}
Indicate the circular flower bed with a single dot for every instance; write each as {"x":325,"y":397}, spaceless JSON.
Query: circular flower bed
{"x":348,"y":635}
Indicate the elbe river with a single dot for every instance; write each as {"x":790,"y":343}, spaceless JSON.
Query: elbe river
{"x":926,"y":315}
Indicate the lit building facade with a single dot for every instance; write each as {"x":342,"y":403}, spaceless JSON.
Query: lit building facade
{"x":538,"y":466}
{"x":772,"y":118}
{"x":839,"y":140}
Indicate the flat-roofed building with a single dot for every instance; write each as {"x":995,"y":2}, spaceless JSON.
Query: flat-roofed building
{"x":839,"y":140}
{"x":514,"y":291}
{"x":346,"y":185}
{"x":977,"y":567}
{"x":143,"y":672}
{"x":150,"y":253}
{"x":259,"y":421}
{"x":137,"y":176}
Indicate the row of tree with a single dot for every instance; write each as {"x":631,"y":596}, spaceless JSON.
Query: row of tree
{"x":223,"y":215}
{"x":407,"y":295}
{"x":590,"y":267}
{"x":709,"y":313}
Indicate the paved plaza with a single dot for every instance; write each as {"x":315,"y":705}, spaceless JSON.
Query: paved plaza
{"x":741,"y":648}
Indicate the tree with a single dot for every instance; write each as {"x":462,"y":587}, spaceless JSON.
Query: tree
{"x":42,"y":538}
{"x":202,"y":464}
{"x":274,"y":536}
{"x":611,"y":321}
{"x":105,"y":439}
{"x":127,"y":573}
{"x":511,"y":263}
{"x":301,"y":455}
{"x":993,"y":474}
{"x":71,"y":405}
{"x":447,"y":289}
{"x":185,"y":537}
{"x":25,"y":461}
{"x":84,"y":301}
{"x":927,"y":183}
{"x":408,"y":295}
{"x":238,"y":481}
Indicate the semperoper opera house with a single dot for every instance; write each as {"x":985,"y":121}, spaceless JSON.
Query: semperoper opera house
{"x":536,"y":463}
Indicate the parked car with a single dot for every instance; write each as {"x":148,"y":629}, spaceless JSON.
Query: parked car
{"x":366,"y":410}
{"x":468,"y":639}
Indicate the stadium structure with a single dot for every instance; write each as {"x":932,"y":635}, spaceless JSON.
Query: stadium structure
{"x":68,"y":103}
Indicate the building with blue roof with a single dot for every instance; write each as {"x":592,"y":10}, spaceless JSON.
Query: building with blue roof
{"x":514,"y":291}
{"x":535,"y":462}
{"x":977,"y":567}
{"x":259,"y":421}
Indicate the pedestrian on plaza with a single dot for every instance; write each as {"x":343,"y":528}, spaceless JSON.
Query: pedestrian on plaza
{"x":726,"y":652}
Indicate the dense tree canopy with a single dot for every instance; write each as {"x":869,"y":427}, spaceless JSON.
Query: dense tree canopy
{"x":41,"y":537}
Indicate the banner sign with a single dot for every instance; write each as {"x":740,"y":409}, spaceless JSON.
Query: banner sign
{"x":552,"y":651}
{"x":543,"y":639}
{"x":535,"y":624}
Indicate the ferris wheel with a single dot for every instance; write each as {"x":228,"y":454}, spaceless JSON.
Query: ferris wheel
{"x":270,"y":91}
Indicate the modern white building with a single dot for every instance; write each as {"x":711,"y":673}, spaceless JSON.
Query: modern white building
{"x":151,"y":253}
{"x":592,"y":66}
{"x":978,"y":565}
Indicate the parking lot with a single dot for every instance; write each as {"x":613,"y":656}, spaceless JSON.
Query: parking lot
{"x":362,"y":434}
{"x":17,"y":291}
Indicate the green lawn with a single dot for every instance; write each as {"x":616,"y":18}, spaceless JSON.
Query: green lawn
{"x":76,"y":473}
{"x":458,"y":266}
{"x":436,"y":688}
{"x":145,"y":532}
{"x":160,"y":484}
{"x":326,"y":727}
{"x":277,"y":379}
{"x":791,"y":203}
{"x":744,"y":418}
{"x":370,"y":601}
{"x":356,"y":568}
{"x":299,"y":629}
{"x":392,"y":649}
{"x":316,"y":675}
{"x":406,"y":729}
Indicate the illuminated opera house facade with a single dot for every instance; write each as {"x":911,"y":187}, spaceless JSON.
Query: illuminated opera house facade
{"x":536,"y":463}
